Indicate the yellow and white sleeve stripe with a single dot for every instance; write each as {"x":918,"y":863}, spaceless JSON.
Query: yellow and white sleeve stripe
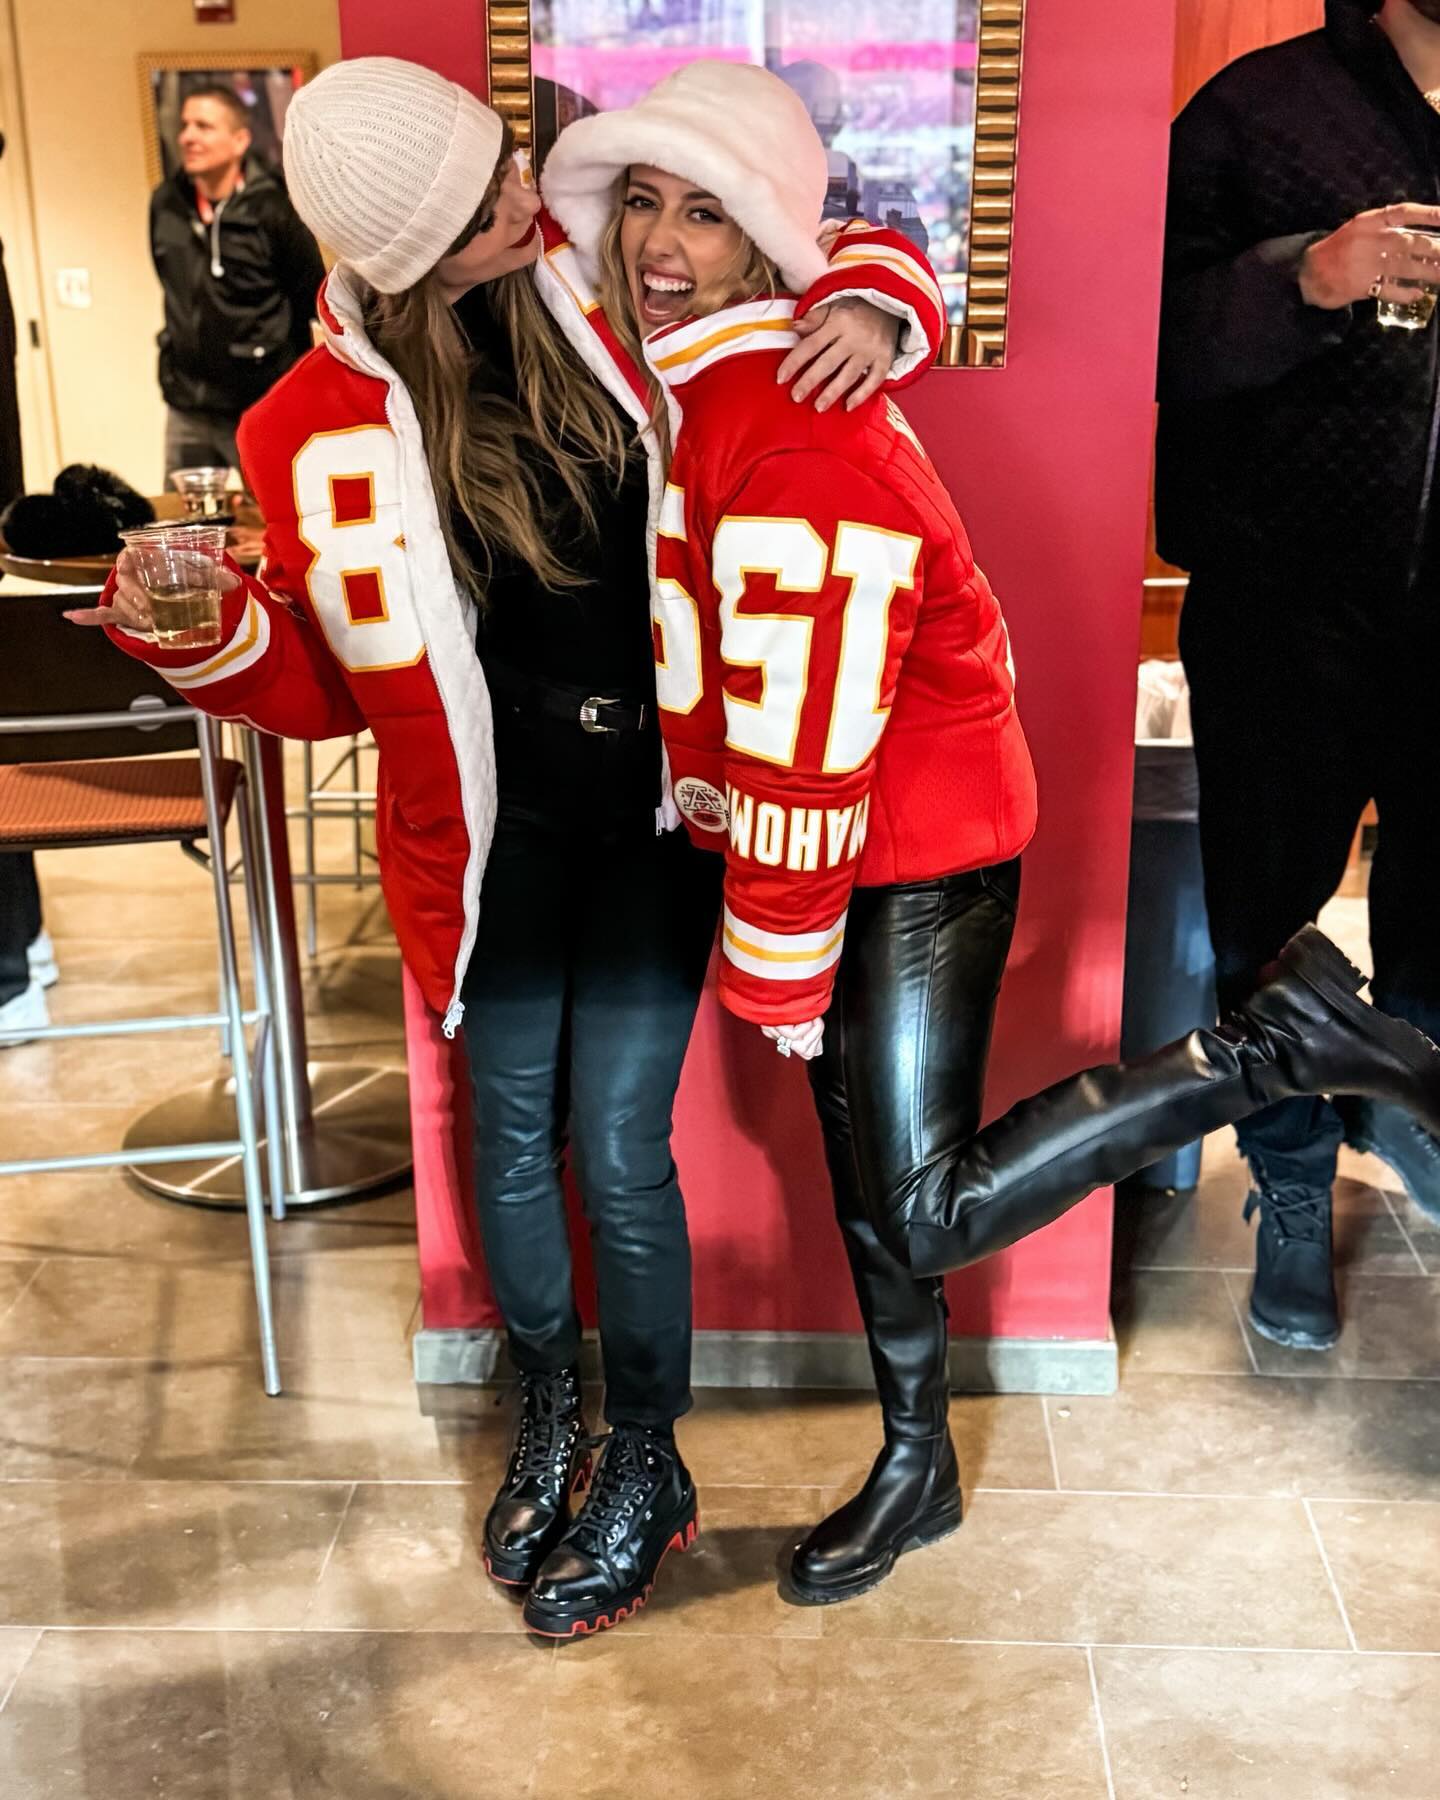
{"x":782,"y":955}
{"x":248,"y":643}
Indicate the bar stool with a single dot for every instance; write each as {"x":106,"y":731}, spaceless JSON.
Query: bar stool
{"x":83,"y":732}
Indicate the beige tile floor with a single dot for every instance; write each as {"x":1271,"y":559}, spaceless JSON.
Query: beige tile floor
{"x":1223,"y":1583}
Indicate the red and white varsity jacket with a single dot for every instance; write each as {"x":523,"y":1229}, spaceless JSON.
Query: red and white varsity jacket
{"x":834,"y":676}
{"x":355,"y":619}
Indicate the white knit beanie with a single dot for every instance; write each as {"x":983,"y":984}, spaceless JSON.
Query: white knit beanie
{"x":386,"y":163}
{"x":736,"y":130}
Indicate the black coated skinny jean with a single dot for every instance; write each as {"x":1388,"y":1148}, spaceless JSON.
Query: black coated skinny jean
{"x":579,"y":1000}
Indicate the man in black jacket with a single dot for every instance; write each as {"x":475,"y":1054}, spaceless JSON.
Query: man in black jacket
{"x":1295,"y":471}
{"x":240,"y":274}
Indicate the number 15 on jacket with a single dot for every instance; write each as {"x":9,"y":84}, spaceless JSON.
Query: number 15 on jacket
{"x":777,"y":659}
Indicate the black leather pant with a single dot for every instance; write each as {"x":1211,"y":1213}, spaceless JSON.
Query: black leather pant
{"x":579,"y":1000}
{"x":899,"y":1082}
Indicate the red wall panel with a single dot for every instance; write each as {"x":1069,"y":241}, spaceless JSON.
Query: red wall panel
{"x":1049,"y":460}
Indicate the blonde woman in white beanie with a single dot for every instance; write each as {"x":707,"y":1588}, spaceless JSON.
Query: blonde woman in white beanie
{"x":457,"y":500}
{"x":838,"y":709}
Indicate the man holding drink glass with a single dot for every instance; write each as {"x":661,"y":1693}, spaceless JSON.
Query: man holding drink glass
{"x":1296,"y":467}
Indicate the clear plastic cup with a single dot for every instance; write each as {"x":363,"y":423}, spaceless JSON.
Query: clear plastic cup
{"x":205,"y":493}
{"x":179,"y":567}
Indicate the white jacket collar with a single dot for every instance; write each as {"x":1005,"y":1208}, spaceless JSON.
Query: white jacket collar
{"x":681,"y":352}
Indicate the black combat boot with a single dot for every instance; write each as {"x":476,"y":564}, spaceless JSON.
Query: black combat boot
{"x":1391,"y":1134}
{"x":548,"y":1461}
{"x":1292,"y":1301}
{"x":912,"y":1494}
{"x":641,"y":1504}
{"x":1302,"y":1032}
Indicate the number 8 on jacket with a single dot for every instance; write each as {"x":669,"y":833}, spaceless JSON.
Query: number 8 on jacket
{"x":348,"y":515}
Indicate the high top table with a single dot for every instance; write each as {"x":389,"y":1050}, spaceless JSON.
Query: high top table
{"x":346,"y":1126}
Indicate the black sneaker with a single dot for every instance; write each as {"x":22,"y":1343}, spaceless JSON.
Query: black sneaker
{"x":641,"y":1504}
{"x":549,"y":1460}
{"x":1391,"y":1134}
{"x":1293,"y":1299}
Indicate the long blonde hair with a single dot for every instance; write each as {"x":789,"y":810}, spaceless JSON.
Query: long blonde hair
{"x":751,"y":273}
{"x":475,"y":442}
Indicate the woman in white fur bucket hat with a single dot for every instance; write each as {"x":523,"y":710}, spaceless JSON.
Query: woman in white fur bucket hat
{"x":457,"y":510}
{"x":837,"y":699}
{"x":838,"y":710}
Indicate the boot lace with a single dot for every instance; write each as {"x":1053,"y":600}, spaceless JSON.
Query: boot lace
{"x":548,"y":1428}
{"x":1299,"y":1214}
{"x":630,"y":1468}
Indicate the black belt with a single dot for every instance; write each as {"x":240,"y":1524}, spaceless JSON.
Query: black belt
{"x":595,"y":713}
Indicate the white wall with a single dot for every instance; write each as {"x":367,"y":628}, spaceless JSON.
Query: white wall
{"x":80,"y":119}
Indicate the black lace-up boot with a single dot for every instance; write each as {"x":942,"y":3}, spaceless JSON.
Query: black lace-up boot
{"x":641,"y":1504}
{"x":549,"y":1460}
{"x":1293,"y":1299}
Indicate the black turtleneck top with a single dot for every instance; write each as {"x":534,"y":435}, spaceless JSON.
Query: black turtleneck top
{"x":594,"y":639}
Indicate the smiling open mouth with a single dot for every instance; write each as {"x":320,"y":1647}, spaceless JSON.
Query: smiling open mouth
{"x":664,"y":297}
{"x":527,"y":236}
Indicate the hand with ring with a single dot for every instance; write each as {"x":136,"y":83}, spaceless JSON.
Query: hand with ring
{"x":1383,"y":254}
{"x":805,"y":1041}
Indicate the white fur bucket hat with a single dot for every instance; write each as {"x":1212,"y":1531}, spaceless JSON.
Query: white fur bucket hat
{"x":386,"y":162}
{"x":736,"y":130}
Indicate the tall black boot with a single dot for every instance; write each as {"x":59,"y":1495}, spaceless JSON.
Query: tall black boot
{"x":1303,"y":1032}
{"x":549,"y":1459}
{"x":912,"y":1494}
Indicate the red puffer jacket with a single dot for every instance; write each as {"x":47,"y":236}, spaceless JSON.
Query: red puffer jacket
{"x":834,"y":675}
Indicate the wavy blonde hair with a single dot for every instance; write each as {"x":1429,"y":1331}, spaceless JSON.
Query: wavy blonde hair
{"x":475,"y":442}
{"x":751,"y":273}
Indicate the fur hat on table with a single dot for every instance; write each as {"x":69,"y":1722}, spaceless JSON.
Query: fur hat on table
{"x":733,"y":129}
{"x":84,"y":516}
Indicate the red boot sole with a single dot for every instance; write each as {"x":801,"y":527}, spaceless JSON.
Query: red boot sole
{"x":681,"y":1541}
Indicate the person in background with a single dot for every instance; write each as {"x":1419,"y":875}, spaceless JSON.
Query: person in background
{"x":240,"y":275}
{"x":27,"y":957}
{"x":1295,"y":469}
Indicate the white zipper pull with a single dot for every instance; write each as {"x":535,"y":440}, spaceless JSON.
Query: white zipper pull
{"x":217,"y":268}
{"x":453,"y":1017}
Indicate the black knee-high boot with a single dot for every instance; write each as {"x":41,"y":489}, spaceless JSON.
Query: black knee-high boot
{"x":912,"y":1494}
{"x":1303,"y":1032}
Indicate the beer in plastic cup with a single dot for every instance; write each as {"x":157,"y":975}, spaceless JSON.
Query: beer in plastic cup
{"x":179,"y":567}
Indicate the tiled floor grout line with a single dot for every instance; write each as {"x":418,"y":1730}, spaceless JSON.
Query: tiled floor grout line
{"x":1203,"y":1494}
{"x":819,"y":1485}
{"x":339,"y":1527}
{"x":1330,"y":1575}
{"x":29,"y":1654}
{"x":34,"y":1273}
{"x":1050,"y":1440}
{"x":739,"y":1637}
{"x":1240,"y":1321}
{"x":1400,"y":1226}
{"x":1100,"y":1721}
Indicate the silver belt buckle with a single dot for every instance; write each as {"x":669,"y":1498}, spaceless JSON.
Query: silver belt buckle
{"x":590,"y":715}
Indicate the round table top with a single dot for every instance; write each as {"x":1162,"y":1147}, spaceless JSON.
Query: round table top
{"x":244,"y":539}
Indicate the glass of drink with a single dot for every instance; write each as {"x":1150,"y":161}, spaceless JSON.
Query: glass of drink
{"x":1415,"y":311}
{"x":1409,"y":314}
{"x":179,"y":566}
{"x":205,"y":492}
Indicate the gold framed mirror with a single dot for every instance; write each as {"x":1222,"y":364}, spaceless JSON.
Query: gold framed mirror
{"x":921,"y":129}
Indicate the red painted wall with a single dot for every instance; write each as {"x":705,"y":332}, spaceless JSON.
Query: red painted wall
{"x":1049,"y":460}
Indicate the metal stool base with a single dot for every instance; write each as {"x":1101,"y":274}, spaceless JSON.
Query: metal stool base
{"x":358,"y":1139}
